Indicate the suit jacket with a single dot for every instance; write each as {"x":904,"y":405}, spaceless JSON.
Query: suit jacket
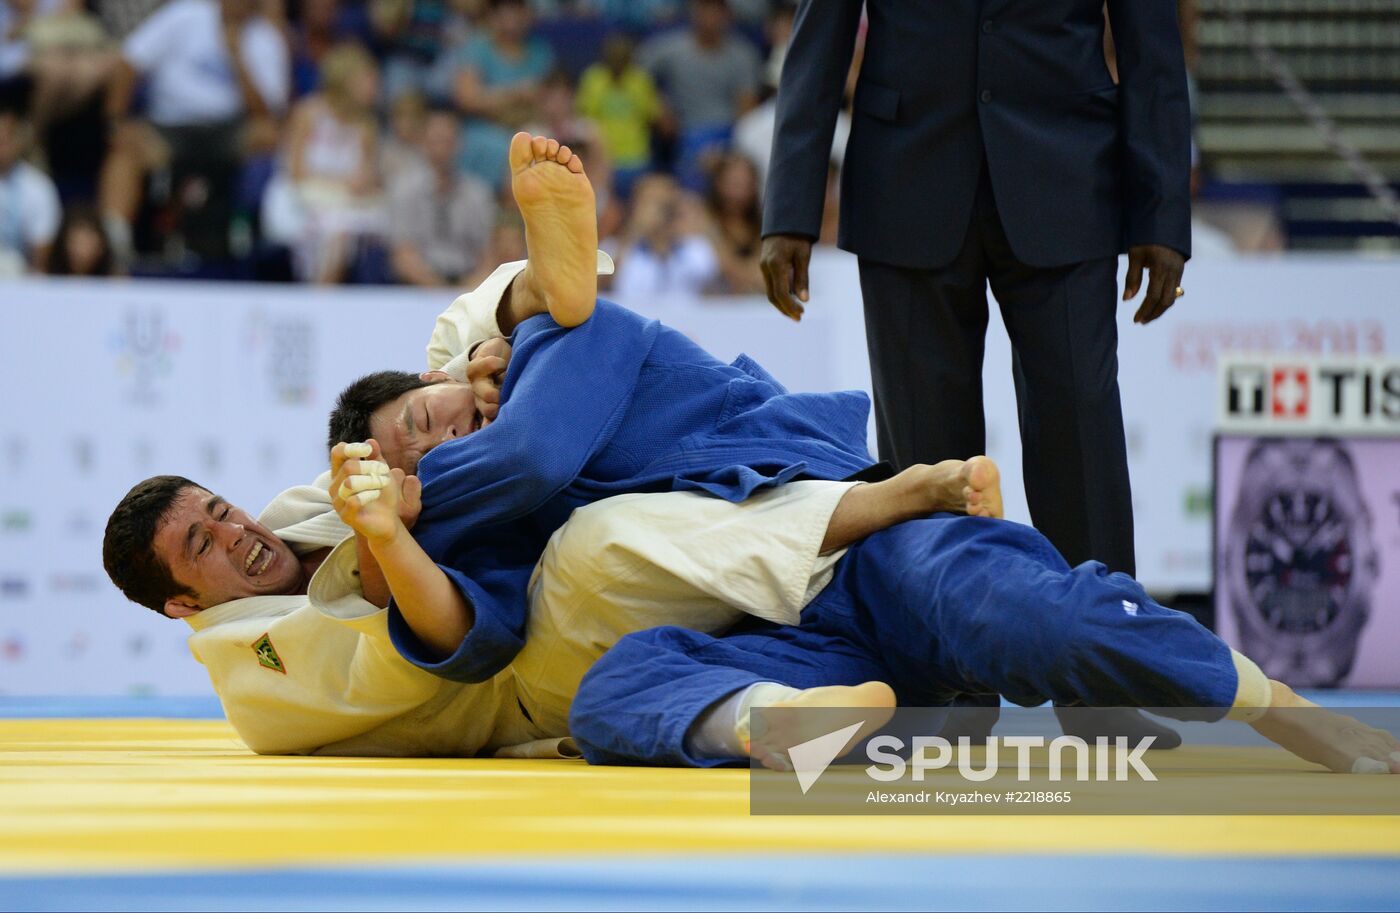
{"x":1080,"y":168}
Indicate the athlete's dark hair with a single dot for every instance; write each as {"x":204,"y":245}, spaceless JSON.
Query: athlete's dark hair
{"x":357,"y":402}
{"x":128,"y":546}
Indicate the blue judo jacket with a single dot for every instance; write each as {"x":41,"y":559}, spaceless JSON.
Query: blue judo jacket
{"x":618,"y":405}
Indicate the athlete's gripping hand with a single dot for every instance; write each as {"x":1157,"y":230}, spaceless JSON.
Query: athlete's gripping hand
{"x":485,"y":372}
{"x":377,"y":502}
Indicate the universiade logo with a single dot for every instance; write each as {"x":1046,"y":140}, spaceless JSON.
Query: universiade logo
{"x":1105,"y":760}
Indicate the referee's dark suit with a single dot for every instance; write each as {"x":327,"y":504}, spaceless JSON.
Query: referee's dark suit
{"x":990,"y":145}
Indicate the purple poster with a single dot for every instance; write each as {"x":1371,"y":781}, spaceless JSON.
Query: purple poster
{"x":1307,"y":557}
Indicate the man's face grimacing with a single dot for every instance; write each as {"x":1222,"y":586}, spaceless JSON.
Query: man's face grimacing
{"x":220,"y":553}
{"x":408,"y":427}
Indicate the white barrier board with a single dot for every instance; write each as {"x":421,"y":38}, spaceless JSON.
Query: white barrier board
{"x":107,"y":383}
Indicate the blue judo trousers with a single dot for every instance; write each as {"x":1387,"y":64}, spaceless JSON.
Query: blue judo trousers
{"x":935,"y":608}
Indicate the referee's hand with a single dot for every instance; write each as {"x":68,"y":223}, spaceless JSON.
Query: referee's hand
{"x":1164,"y":266}
{"x":784,"y":261}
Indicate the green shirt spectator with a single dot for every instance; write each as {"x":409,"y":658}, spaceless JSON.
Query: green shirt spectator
{"x":623,"y":105}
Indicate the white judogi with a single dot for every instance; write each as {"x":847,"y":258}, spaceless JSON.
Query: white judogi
{"x":634,"y":562}
{"x":624,"y":564}
{"x":472,"y":318}
{"x":334,"y":685}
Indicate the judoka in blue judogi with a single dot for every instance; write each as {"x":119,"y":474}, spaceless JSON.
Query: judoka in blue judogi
{"x":937,"y":608}
{"x":620,"y":404}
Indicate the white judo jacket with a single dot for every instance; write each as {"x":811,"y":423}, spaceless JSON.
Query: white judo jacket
{"x":296,"y":680}
{"x":318,"y":673}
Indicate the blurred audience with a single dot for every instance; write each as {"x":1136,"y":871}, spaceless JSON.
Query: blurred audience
{"x":557,"y":116}
{"x":163,"y":128}
{"x":637,"y":16}
{"x":709,"y":74}
{"x":753,"y":133}
{"x":16,"y":18}
{"x":735,"y":209}
{"x":411,"y":36}
{"x":496,"y":83}
{"x":81,"y":248}
{"x":332,"y":167}
{"x":507,"y":244}
{"x":441,"y":220}
{"x":621,"y":98}
{"x":216,"y":76}
{"x":665,"y":250}
{"x":70,"y":62}
{"x":401,"y":147}
{"x":319,"y":26}
{"x":29,"y":206}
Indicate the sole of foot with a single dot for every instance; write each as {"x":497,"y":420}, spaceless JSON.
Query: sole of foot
{"x":970,"y":486}
{"x":871,"y":705}
{"x":561,"y":225}
{"x":982,"y":488}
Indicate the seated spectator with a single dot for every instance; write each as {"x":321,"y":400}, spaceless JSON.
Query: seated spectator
{"x":497,"y":82}
{"x":29,"y":207}
{"x":217,"y":76}
{"x":440,"y":220}
{"x":665,"y":250}
{"x":81,"y":248}
{"x":71,"y":61}
{"x":709,"y":75}
{"x":320,"y":25}
{"x":735,"y":210}
{"x":506,"y":246}
{"x":332,"y":163}
{"x":401,"y":148}
{"x":621,"y":98}
{"x":556,"y":116}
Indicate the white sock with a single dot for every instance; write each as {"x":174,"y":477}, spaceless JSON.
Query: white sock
{"x":722,"y":732}
{"x":1254,"y":694}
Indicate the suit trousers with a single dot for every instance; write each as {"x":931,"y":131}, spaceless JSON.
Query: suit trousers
{"x":926,"y":333}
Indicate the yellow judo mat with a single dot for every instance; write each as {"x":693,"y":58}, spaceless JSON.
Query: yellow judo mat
{"x":93,"y":797}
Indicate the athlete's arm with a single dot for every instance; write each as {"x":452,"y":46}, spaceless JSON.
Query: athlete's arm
{"x":427,"y":598}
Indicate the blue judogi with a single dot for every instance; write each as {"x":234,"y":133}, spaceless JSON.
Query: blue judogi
{"x":936,"y":608}
{"x":620,"y":404}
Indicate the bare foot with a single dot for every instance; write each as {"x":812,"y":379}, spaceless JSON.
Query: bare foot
{"x":870,"y":705}
{"x":561,"y":225}
{"x":970,"y":486}
{"x":1342,"y":744}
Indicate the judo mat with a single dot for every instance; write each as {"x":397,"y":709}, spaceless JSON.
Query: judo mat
{"x":155,"y":805}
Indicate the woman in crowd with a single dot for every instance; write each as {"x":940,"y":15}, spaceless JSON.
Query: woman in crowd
{"x":332,"y":164}
{"x":737,"y":222}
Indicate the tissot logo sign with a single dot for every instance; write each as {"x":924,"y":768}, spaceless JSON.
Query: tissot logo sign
{"x":1319,"y":395}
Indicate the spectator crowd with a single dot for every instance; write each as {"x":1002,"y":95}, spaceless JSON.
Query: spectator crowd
{"x":364,"y":141}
